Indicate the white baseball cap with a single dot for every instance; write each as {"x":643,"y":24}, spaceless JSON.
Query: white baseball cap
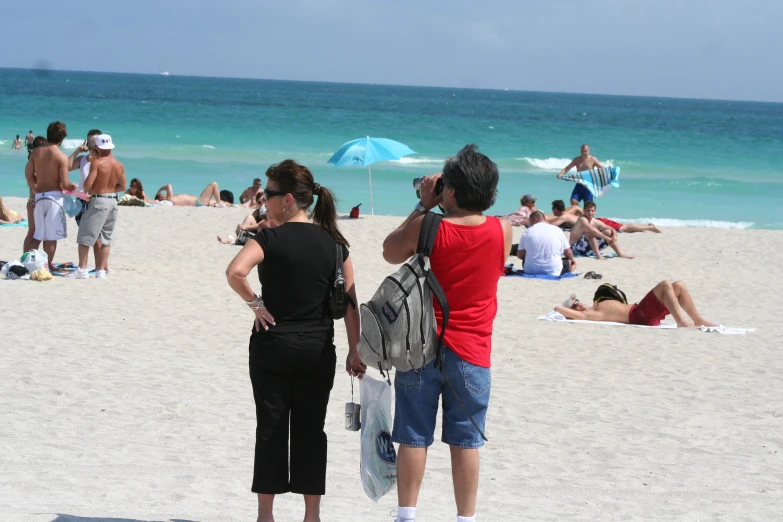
{"x":103,"y":141}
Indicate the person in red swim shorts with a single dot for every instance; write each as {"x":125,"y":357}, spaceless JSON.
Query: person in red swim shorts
{"x":664,"y":299}
{"x":629,"y":228}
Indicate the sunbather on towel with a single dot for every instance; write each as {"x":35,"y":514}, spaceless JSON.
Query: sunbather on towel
{"x":166,"y":193}
{"x":666,"y":298}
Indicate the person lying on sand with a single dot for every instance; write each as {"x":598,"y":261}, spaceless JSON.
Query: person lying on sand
{"x":629,"y":228}
{"x":666,"y":298}
{"x":166,"y":193}
{"x":563,"y":217}
{"x":250,"y":226}
{"x":8,"y":216}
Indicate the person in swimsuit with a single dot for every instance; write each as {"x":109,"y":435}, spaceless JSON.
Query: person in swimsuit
{"x":8,"y":216}
{"x":136,"y":190}
{"x":29,"y":140}
{"x":17,"y":143}
{"x":252,"y":224}
{"x":563,"y":217}
{"x":29,"y":241}
{"x":248,"y":197}
{"x":582,"y":163}
{"x":522,"y":216}
{"x":629,"y":227}
{"x":47,"y":176}
{"x":166,"y":193}
{"x":664,"y":299}
{"x":591,"y":236}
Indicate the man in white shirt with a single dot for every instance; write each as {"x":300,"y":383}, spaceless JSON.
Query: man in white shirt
{"x":543,"y":248}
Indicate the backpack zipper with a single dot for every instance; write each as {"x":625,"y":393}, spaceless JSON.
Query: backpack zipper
{"x":380,"y":332}
{"x":421,"y":295}
{"x":407,"y":316}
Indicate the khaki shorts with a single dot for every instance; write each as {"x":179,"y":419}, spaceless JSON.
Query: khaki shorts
{"x":98,"y":222}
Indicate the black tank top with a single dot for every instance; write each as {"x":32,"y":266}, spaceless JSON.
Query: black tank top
{"x":296,"y":276}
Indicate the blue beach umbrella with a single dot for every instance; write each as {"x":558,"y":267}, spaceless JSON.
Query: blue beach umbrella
{"x":366,"y":151}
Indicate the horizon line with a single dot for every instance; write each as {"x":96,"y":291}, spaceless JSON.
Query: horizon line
{"x":169,"y":74}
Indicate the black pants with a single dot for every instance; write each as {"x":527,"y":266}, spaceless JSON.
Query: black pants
{"x":292,"y":375}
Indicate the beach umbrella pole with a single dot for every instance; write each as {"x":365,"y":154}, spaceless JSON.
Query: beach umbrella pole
{"x":372,"y":208}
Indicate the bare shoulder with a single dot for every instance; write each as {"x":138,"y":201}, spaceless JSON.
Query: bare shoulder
{"x":506,"y":224}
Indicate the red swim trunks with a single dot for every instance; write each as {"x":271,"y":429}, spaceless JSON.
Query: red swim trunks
{"x":648,"y":312}
{"x":609,"y":223}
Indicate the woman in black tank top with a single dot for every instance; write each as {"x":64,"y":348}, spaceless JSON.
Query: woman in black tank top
{"x":292,"y":355}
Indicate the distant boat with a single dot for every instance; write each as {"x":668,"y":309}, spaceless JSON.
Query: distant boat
{"x":164,"y":73}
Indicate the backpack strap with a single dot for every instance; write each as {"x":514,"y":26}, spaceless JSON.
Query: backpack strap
{"x":429,"y":230}
{"x":427,"y":235}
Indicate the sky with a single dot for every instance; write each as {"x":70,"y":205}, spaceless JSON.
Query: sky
{"x":720,"y":49}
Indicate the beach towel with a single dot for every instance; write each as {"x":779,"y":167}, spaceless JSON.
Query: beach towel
{"x":727,"y":330}
{"x":597,"y":180}
{"x":592,"y":254}
{"x":22,"y":223}
{"x":558,"y":317}
{"x":511,"y":272}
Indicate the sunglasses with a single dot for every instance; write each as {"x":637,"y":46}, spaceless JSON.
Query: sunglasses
{"x":272,"y":193}
{"x":573,"y":306}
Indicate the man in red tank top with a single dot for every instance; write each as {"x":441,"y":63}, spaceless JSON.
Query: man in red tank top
{"x":467,"y":259}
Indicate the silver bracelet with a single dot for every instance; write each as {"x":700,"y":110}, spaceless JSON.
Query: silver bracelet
{"x":257,"y":304}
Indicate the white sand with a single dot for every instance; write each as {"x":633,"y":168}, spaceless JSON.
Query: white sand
{"x":130,"y":398}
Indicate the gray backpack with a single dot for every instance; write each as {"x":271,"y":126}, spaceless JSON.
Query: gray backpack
{"x":398,"y":323}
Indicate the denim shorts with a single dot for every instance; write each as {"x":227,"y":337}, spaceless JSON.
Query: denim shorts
{"x":417,"y":394}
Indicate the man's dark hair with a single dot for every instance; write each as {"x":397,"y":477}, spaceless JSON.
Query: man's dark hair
{"x":558,"y":204}
{"x":589,"y":204}
{"x":93,"y":132}
{"x":474,"y":178}
{"x":56,"y":132}
{"x":257,"y":180}
{"x":38,"y":141}
{"x":227,"y":196}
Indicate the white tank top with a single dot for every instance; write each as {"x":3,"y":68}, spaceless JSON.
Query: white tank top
{"x":84,"y":171}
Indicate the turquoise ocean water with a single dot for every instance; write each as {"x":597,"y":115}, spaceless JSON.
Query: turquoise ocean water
{"x":683,"y":162}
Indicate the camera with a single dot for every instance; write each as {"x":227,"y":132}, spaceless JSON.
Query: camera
{"x":438,"y":186}
{"x":353,"y":416}
{"x":417,"y":187}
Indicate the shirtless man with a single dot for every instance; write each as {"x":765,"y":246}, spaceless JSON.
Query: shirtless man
{"x":29,"y":242}
{"x":166,"y":193}
{"x":29,"y":140}
{"x":666,"y":298}
{"x":80,"y":161}
{"x":17,"y":143}
{"x":583,"y":162}
{"x":47,"y":177}
{"x":248,"y":197}
{"x":106,"y":178}
{"x":588,"y":234}
{"x":563,"y":217}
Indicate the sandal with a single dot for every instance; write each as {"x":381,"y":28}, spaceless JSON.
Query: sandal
{"x":589,"y":275}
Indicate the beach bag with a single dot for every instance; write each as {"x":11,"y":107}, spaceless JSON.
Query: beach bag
{"x":379,"y":460}
{"x":398,"y":323}
{"x":338,"y":296}
{"x":609,"y":292}
{"x":355,"y":212}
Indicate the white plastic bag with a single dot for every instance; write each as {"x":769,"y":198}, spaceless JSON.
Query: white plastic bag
{"x":379,"y":460}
